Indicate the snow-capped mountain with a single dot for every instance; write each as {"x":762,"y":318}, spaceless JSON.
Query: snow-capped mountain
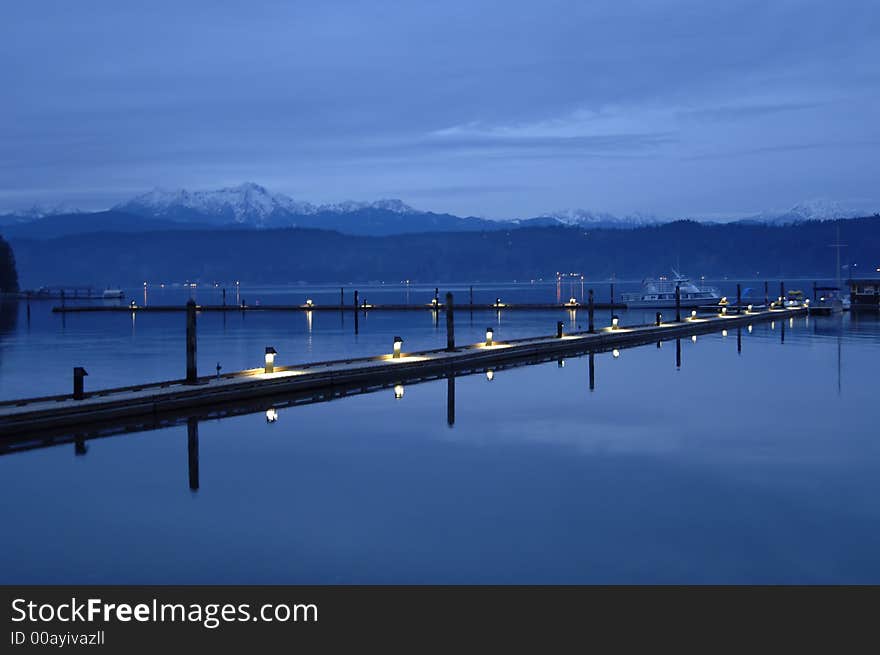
{"x":245,"y":204}
{"x":820,"y":209}
{"x":584,"y":218}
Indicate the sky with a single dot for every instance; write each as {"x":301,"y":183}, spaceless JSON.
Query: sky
{"x":496,"y":109}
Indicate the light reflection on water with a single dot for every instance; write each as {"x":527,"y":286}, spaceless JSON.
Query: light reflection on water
{"x":755,"y":461}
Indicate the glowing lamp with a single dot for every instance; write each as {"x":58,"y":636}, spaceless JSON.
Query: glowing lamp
{"x":132,"y":304}
{"x":490,"y":334}
{"x":434,"y":302}
{"x":749,"y":309}
{"x":398,"y":391}
{"x":398,"y":345}
{"x":270,"y":359}
{"x":694,"y":339}
{"x":490,"y":375}
{"x":309,"y":302}
{"x":750,"y":329}
{"x":572,"y":301}
{"x":271,"y":415}
{"x":615,"y":353}
{"x":724,"y":311}
{"x":693,"y":314}
{"x":498,"y":302}
{"x":614,"y":322}
{"x":723,"y":333}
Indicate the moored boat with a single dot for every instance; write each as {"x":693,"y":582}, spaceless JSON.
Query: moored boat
{"x":660,"y":292}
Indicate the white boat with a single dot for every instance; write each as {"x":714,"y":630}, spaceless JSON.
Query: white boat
{"x":113,"y":294}
{"x":661,"y":293}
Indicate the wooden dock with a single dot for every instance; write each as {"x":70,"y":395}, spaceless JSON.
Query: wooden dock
{"x":78,"y":309}
{"x":20,"y":418}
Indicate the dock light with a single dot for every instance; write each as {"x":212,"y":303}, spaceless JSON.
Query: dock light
{"x":807,"y":302}
{"x":724,"y":311}
{"x":694,"y":339}
{"x":614,"y":322}
{"x":270,"y":359}
{"x":749,"y":309}
{"x":271,"y":415}
{"x":132,"y":304}
{"x":398,"y":344}
{"x":723,"y":300}
{"x":572,"y":301}
{"x":490,"y":334}
{"x":398,"y":391}
{"x":309,"y":302}
{"x":693,"y":314}
{"x":490,"y":375}
{"x":615,"y":353}
{"x":433,"y":302}
{"x":498,"y":302}
{"x":723,"y":333}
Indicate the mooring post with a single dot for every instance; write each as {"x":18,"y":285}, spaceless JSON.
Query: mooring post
{"x":341,"y":297}
{"x":224,"y":297}
{"x":766,"y":293}
{"x":355,"y":311}
{"x":678,"y":303}
{"x":62,"y":299}
{"x":192,"y":447}
{"x":450,"y":400}
{"x":590,"y":307}
{"x":472,"y":296}
{"x":738,"y":297}
{"x":592,"y":359}
{"x":450,"y":323}
{"x":78,"y":383}
{"x":192,"y":376}
{"x":79,"y":446}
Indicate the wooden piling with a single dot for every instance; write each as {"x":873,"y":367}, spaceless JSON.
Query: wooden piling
{"x":678,"y":303}
{"x":192,"y":376}
{"x":590,"y":308}
{"x":78,"y":383}
{"x":450,"y":323}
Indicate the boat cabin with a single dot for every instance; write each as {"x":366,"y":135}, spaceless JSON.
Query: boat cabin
{"x":864,"y":292}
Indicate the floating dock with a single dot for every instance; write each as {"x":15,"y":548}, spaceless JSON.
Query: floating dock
{"x":19,"y":418}
{"x":75,"y":309}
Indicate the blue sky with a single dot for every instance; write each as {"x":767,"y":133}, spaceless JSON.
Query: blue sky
{"x":497,"y":109}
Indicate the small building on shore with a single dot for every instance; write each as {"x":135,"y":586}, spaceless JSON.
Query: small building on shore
{"x":864,"y":292}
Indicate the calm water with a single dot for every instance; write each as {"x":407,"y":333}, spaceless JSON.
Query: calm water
{"x":751,"y":466}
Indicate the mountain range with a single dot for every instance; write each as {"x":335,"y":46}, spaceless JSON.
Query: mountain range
{"x":251,"y":206}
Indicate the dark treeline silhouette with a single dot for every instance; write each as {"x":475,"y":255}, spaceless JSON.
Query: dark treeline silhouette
{"x":291,"y":255}
{"x":8,"y":273}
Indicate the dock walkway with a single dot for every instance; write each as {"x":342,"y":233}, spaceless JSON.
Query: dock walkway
{"x":31,"y":414}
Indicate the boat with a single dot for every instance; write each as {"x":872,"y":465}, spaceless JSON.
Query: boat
{"x":113,"y":294}
{"x":660,"y":292}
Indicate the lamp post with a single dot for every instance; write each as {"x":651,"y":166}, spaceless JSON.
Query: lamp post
{"x":78,"y":374}
{"x":398,"y":345}
{"x":270,"y":359}
{"x":615,"y":321}
{"x":490,"y":335}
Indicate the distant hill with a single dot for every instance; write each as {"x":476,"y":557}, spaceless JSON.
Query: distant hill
{"x":50,"y":227}
{"x":298,"y":254}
